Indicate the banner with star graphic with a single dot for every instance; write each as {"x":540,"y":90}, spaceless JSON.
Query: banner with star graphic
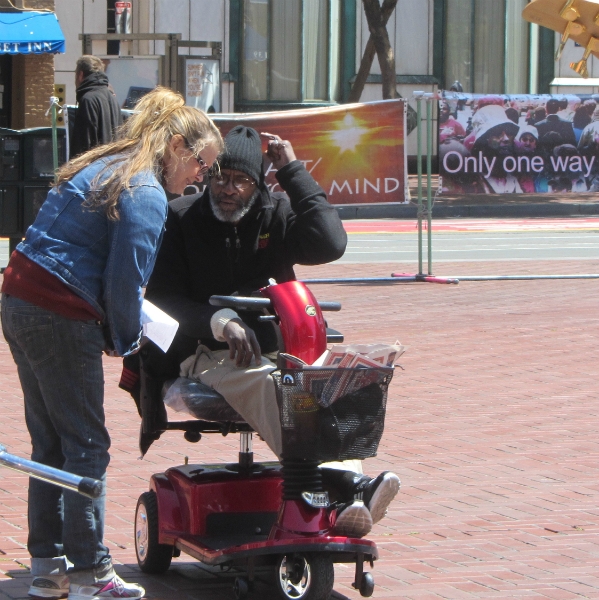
{"x":356,"y":152}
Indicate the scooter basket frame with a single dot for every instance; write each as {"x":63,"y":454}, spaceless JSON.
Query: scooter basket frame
{"x":330,"y":414}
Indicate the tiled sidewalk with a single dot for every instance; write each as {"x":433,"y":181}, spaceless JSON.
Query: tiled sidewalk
{"x":492,"y":427}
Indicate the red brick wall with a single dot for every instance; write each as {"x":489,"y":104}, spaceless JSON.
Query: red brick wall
{"x":33,"y":80}
{"x":33,"y":84}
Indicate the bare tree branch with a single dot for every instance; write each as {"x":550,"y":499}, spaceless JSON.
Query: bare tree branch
{"x":369,"y":52}
{"x":389,"y":90}
{"x":384,"y":52}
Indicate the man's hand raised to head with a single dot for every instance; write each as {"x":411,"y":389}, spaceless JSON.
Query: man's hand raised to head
{"x":243,"y":343}
{"x":279,"y":152}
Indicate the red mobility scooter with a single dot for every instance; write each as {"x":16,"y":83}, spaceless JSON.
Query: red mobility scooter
{"x":250,"y":515}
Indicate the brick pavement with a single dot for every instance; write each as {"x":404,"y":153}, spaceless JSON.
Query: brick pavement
{"x":492,"y":427}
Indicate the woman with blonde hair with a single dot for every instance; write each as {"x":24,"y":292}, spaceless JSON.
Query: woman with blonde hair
{"x":71,"y":291}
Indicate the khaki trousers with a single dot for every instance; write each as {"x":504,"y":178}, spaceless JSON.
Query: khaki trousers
{"x":251,"y":392}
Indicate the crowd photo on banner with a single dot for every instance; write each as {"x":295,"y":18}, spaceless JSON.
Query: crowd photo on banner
{"x":499,"y":144}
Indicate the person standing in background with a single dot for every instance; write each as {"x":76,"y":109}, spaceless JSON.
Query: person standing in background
{"x":98,"y":111}
{"x":553,"y":122}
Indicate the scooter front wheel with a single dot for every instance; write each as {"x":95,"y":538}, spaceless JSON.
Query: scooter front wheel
{"x":152,"y":557}
{"x":305,"y":576}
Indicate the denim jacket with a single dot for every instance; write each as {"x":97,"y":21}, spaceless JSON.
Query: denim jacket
{"x":105,"y":262}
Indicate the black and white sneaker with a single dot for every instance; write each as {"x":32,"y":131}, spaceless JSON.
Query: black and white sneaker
{"x":378,"y":493}
{"x":353,"y":520}
{"x":50,"y":586}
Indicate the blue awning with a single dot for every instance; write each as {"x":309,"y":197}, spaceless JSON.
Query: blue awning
{"x":30,"y":32}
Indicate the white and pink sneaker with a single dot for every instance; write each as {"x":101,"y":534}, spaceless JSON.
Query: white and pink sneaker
{"x":114,"y":588}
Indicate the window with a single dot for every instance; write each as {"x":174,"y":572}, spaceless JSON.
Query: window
{"x":289,"y":51}
{"x":486,"y":45}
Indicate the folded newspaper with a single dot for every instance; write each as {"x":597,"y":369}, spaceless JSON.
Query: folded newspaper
{"x":157,"y":325}
{"x":361,"y":355}
{"x":328,"y":387}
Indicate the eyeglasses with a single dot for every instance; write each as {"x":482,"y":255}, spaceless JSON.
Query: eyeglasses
{"x":239,"y":182}
{"x":204,"y":168}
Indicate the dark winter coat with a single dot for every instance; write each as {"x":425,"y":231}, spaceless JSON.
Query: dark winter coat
{"x":201,"y":256}
{"x":555,"y":123}
{"x":98,"y":114}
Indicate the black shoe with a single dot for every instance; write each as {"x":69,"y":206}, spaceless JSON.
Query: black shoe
{"x":377,"y":493}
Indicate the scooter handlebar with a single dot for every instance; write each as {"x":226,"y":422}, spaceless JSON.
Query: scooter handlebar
{"x":330,"y":306}
{"x":257,"y":303}
{"x":241,"y":302}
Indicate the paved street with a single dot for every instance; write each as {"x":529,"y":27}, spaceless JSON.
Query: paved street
{"x":473,"y":240}
{"x":491,"y":425}
{"x":464,"y":240}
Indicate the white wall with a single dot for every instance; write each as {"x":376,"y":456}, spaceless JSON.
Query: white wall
{"x":75,"y":17}
{"x":202,"y":20}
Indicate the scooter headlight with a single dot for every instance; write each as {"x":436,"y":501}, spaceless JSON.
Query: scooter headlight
{"x":316,"y":499}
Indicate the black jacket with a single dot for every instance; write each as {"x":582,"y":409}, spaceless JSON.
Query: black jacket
{"x":201,"y":256}
{"x":555,"y":123}
{"x":98,"y":114}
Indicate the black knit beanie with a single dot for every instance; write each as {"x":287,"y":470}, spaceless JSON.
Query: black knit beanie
{"x":243,"y":152}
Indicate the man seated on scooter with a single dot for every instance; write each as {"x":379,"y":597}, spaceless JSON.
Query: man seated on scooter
{"x":232,"y":239}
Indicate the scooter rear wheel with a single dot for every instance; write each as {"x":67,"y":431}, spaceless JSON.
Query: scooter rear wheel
{"x":305,"y":576}
{"x":152,"y":557}
{"x":241,"y":588}
{"x":367,"y":585}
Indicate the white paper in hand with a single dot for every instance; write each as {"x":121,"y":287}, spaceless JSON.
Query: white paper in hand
{"x":157,"y":325}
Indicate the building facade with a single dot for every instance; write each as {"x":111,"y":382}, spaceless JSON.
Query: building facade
{"x":275,"y":54}
{"x":26,"y":80}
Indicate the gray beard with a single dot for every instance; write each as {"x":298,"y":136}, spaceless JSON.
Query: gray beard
{"x":237,"y":214}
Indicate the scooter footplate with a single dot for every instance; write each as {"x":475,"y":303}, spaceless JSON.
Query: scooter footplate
{"x":232,"y":549}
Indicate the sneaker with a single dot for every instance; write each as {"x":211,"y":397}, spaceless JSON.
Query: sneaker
{"x":377,"y":493}
{"x":49,"y":586}
{"x":115,"y":588}
{"x":353,"y":520}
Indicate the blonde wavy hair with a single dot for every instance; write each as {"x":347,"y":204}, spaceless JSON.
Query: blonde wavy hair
{"x":141,"y":144}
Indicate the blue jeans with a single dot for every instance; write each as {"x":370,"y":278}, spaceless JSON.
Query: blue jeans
{"x":59,"y":362}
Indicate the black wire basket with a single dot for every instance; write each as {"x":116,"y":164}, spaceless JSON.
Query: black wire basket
{"x":332,"y":414}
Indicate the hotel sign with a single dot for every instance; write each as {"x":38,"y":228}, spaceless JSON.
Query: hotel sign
{"x":30,"y":47}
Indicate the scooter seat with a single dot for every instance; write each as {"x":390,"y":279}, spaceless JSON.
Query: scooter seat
{"x":199,"y":400}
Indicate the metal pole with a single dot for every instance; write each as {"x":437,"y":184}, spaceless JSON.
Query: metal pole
{"x":65,"y":114}
{"x":412,"y":278}
{"x":84,"y":485}
{"x":53,"y":107}
{"x":429,"y":191}
{"x":457,"y":278}
{"x":418,"y":96}
{"x":524,"y":277}
{"x":173,"y":56}
{"x":359,"y":280}
{"x":395,"y":278}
